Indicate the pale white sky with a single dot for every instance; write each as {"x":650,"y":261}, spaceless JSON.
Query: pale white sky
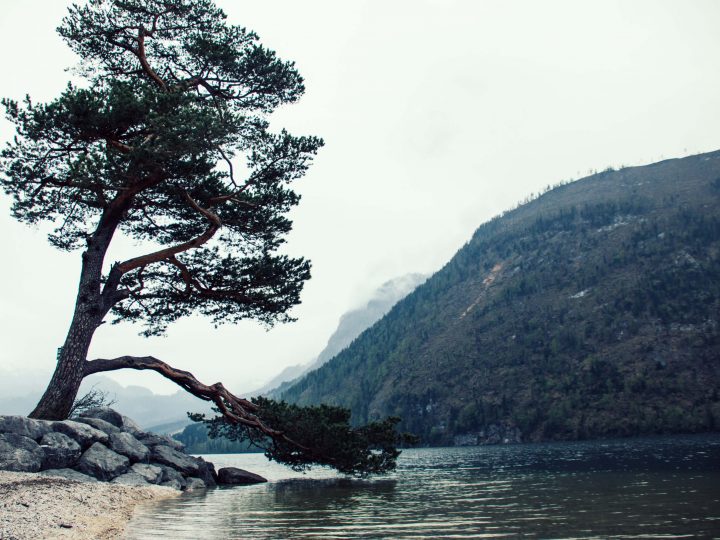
{"x":437,"y":115}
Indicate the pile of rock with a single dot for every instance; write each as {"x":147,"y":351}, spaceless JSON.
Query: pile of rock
{"x":101,"y":444}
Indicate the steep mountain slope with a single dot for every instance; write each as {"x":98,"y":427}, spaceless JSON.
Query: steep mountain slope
{"x":590,"y":311}
{"x":351,"y":325}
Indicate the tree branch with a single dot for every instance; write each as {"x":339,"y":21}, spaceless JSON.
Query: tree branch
{"x":123,"y":148}
{"x":236,"y":410}
{"x":140,"y":53}
{"x":166,"y":253}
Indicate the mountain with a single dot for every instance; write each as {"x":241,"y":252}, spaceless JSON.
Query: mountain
{"x":351,"y":325}
{"x":591,"y":311}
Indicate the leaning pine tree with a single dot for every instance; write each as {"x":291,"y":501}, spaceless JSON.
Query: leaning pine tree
{"x":146,"y":149}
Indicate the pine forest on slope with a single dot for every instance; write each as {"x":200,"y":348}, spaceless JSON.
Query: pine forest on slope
{"x":590,"y":311}
{"x":351,"y":325}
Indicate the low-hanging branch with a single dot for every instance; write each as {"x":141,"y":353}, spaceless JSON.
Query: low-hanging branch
{"x":235,"y":409}
{"x":296,"y":436}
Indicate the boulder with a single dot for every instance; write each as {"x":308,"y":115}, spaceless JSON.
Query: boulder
{"x":234,"y":476}
{"x":151,"y":473}
{"x":175,"y":459}
{"x":130,"y":426}
{"x":27,"y":427}
{"x":112,"y":417}
{"x":131,"y":479}
{"x":206,"y":472}
{"x":194,"y":483}
{"x":59,"y":451}
{"x":153,"y":439}
{"x":171,"y":475}
{"x":102,"y":463}
{"x":100,"y":424}
{"x":106,"y":414}
{"x":173,"y":484}
{"x":19,"y":453}
{"x":83,"y":434}
{"x":127,"y":445}
{"x":69,"y":474}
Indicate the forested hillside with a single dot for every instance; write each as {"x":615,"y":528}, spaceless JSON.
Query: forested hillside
{"x":350,"y":326}
{"x":591,"y":311}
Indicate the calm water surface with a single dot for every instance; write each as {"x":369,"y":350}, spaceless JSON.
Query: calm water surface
{"x":639,"y":488}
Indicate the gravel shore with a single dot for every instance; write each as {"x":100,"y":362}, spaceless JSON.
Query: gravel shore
{"x":34,"y":506}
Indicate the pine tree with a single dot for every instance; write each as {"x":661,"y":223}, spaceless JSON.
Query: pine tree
{"x":148,"y":148}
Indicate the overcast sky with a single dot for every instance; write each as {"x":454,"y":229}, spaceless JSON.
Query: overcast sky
{"x":437,"y":115}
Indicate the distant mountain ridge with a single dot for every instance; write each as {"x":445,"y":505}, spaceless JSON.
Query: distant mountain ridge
{"x":157,"y":412}
{"x":590,"y":311}
{"x":350,"y":326}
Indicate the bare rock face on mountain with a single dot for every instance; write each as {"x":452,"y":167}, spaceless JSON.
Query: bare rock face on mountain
{"x":591,"y":311}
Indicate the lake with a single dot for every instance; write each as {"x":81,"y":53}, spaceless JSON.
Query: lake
{"x":660,"y":487}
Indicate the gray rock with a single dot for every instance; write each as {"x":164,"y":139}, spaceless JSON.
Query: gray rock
{"x":130,"y":426}
{"x":194,"y":483}
{"x":102,"y":463}
{"x":100,"y":424}
{"x":173,"y":484}
{"x":233,"y":475}
{"x":83,"y":434}
{"x":151,"y":473}
{"x":131,"y":479}
{"x":69,"y":474}
{"x":19,"y":453}
{"x":59,"y":451}
{"x":27,"y":427}
{"x":170,"y":474}
{"x":107,"y":414}
{"x":152,"y":440}
{"x":127,"y":445}
{"x":206,"y":472}
{"x":177,"y":460}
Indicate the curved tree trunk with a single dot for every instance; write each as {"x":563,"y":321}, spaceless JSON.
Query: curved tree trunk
{"x":91,"y":306}
{"x":59,"y":396}
{"x":235,"y":410}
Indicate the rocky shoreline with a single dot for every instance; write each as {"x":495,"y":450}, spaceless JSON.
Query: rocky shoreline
{"x":81,"y":478}
{"x":100,"y":445}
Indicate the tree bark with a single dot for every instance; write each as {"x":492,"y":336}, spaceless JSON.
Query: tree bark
{"x":90,"y":309}
{"x":236,"y":410}
{"x":59,"y":396}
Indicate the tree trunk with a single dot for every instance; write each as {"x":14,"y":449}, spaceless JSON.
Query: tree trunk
{"x":60,"y":394}
{"x":90,"y":309}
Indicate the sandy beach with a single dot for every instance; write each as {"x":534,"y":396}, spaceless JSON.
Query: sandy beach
{"x":34,"y":506}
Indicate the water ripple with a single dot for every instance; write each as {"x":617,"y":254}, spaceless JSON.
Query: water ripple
{"x":643,"y":488}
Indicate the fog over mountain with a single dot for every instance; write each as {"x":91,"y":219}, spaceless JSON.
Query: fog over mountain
{"x":351,"y":325}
